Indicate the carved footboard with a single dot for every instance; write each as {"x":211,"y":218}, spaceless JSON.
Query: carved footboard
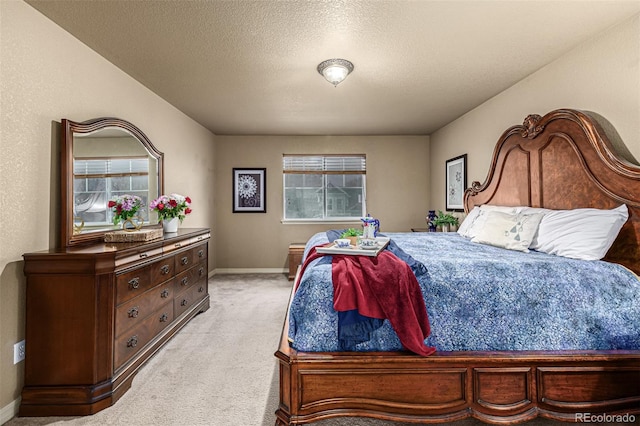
{"x":497,"y":387}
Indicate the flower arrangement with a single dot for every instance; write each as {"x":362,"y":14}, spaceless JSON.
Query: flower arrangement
{"x":125,"y":207}
{"x":171,"y":206}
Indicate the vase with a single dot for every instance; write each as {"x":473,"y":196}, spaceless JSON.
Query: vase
{"x":170,"y":225}
{"x":430,"y":220}
{"x":132,"y":224}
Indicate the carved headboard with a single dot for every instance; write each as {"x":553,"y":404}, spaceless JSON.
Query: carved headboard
{"x":564,"y":160}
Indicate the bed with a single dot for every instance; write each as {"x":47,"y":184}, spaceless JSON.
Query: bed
{"x":562,"y":161}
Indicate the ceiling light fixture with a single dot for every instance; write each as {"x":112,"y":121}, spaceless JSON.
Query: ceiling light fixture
{"x":335,"y":70}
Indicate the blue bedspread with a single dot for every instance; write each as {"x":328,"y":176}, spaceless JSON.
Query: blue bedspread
{"x":484,"y":298}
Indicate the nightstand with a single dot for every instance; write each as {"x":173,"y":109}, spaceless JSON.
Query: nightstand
{"x":296,"y":251}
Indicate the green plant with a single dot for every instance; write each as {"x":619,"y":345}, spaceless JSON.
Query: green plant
{"x":351,"y":232}
{"x":445,"y":219}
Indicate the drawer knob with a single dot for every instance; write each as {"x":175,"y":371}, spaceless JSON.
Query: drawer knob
{"x":164,"y":270}
{"x":201,"y":271}
{"x":164,"y":318}
{"x":201,"y":289}
{"x":184,"y":302}
{"x":184,"y":260}
{"x":184,"y":281}
{"x":201,"y":253}
{"x":164,"y":294}
{"x":134,"y":283}
{"x":133,"y":312}
{"x":132,"y":342}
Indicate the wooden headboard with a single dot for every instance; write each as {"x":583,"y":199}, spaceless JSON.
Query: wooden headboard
{"x":565,"y":160}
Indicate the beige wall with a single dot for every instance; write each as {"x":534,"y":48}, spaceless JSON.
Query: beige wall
{"x":602,"y":75}
{"x":47,"y":75}
{"x":397,"y":182}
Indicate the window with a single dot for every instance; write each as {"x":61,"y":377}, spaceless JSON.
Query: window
{"x":97,"y":180}
{"x":324,"y":187}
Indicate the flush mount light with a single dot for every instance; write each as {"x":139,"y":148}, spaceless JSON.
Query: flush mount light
{"x":335,"y":70}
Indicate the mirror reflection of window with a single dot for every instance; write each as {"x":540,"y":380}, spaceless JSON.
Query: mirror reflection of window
{"x":98,"y":180}
{"x":106,"y":164}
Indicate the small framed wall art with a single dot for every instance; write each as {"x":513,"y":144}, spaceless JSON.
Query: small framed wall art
{"x":249,"y":190}
{"x":456,"y":182}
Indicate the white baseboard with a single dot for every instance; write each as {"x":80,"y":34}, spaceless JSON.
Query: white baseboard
{"x":250,"y":271}
{"x":9,"y":411}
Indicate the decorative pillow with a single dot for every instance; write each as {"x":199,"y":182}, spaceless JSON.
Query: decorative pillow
{"x":479,"y":219}
{"x":509,"y":231}
{"x":580,"y":233}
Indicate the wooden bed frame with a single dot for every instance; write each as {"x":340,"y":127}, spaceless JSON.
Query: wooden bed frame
{"x":563,"y":160}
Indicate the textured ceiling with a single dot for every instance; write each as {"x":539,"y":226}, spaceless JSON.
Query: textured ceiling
{"x":249,"y":67}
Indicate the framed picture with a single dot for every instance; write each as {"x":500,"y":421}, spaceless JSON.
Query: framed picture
{"x":249,"y":190}
{"x":456,"y":182}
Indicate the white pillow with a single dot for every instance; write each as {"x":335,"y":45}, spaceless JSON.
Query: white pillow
{"x":468,"y":220}
{"x":529,"y":210}
{"x":580,"y":233}
{"x":481,"y":216}
{"x":510,"y":231}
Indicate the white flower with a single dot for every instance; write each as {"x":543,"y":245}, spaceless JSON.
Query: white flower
{"x":247,"y":186}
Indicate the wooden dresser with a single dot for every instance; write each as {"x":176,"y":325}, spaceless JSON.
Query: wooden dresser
{"x":96,"y":313}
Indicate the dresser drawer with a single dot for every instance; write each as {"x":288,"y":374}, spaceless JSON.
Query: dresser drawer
{"x":190,"y":297}
{"x":200,"y":271}
{"x":133,"y":283}
{"x":186,"y":279}
{"x":184,"y":260}
{"x":139,"y":256}
{"x":200,"y":253}
{"x":162,"y":270}
{"x":134,"y":311}
{"x":129,"y":343}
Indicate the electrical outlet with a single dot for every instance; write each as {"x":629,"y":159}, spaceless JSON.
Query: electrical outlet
{"x":18,"y":352}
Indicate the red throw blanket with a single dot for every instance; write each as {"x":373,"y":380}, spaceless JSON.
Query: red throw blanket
{"x":381,"y":287}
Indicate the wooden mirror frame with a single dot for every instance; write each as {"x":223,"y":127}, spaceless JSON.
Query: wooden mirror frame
{"x":71,"y":128}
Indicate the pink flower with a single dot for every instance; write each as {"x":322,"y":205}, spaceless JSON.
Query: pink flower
{"x":124,"y":207}
{"x":171,"y":206}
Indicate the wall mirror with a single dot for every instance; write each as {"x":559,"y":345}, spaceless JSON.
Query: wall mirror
{"x":102,"y":159}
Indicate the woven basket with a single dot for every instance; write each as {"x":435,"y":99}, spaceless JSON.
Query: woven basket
{"x":134,"y":236}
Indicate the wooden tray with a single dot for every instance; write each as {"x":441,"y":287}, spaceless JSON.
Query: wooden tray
{"x":354,"y":250}
{"x":133,"y":236}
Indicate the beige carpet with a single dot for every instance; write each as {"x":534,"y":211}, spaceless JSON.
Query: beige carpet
{"x":194,"y":379}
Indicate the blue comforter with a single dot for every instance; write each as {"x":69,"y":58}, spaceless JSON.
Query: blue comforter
{"x":484,"y":298}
